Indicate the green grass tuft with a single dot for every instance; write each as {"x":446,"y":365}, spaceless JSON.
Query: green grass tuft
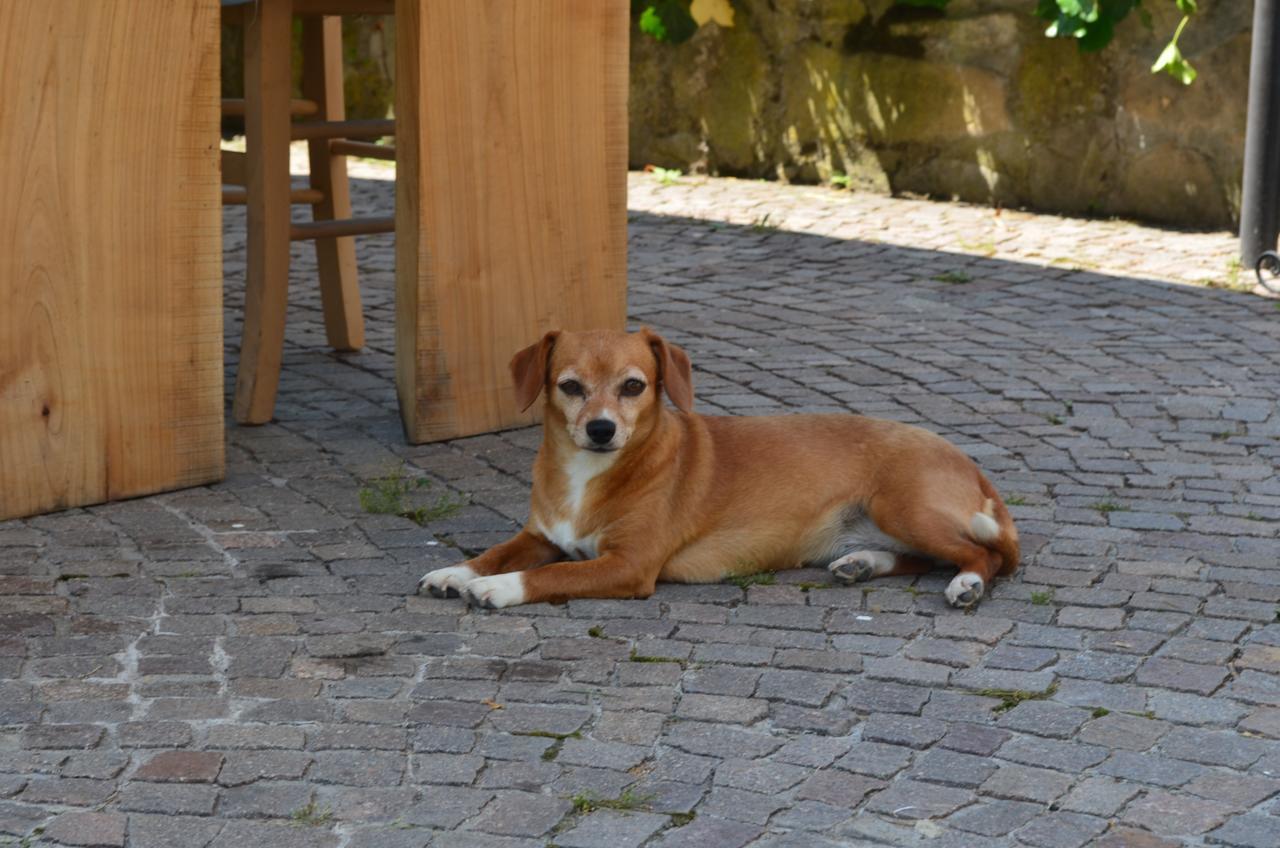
{"x":586,"y":802}
{"x":1042,"y":597}
{"x":1105,"y":507}
{"x":642,"y":658}
{"x":761,"y":578}
{"x":764,"y":223}
{"x":1099,"y":712}
{"x":311,"y":816}
{"x":390,"y":495}
{"x":953,"y":277}
{"x":666,"y":176}
{"x":1010,"y":698}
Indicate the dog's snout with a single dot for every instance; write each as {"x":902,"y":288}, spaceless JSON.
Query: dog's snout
{"x":601,"y":430}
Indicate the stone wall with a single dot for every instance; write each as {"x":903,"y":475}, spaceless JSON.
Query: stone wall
{"x":975,"y":104}
{"x":368,"y":64}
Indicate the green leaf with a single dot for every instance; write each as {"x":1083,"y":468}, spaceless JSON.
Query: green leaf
{"x":651,"y":24}
{"x":1172,"y":63}
{"x":668,"y":20}
{"x":1086,"y":10}
{"x":1096,"y":36}
{"x":1187,"y":7}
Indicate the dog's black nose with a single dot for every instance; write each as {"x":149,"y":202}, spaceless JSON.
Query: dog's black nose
{"x":601,"y":430}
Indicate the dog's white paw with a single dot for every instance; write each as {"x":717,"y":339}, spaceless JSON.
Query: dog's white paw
{"x":965,"y":589}
{"x":447,"y":582}
{"x":496,"y":592}
{"x":862,"y":565}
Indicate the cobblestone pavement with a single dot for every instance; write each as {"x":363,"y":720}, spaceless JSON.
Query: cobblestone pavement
{"x":246,"y":664}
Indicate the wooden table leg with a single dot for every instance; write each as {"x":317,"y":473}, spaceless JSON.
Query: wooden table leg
{"x":336,"y":257}
{"x":511,"y":142}
{"x":267,"y":81}
{"x":110,"y":251}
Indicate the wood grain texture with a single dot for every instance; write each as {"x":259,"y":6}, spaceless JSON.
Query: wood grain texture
{"x":110,"y":251}
{"x":511,"y":142}
{"x":335,"y":257}
{"x":268,"y":73}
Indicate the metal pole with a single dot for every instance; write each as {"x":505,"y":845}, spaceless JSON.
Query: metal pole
{"x":1260,"y":205}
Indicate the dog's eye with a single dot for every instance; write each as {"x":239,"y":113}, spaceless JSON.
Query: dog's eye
{"x":631,"y":388}
{"x":571,"y":387}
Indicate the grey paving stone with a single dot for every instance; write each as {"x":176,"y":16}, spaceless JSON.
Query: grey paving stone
{"x":1181,"y":676}
{"x":514,"y":813}
{"x":155,"y":831}
{"x":1062,"y":830}
{"x":445,"y":806}
{"x":1024,"y":783}
{"x":96,"y":830}
{"x":797,"y":687}
{"x":1121,"y":730}
{"x":1248,"y":831}
{"x":1175,"y":814}
{"x":952,"y":768}
{"x":910,"y":731}
{"x":994,"y":818}
{"x":609,"y":827}
{"x":709,"y":830}
{"x":1044,"y":718}
{"x":1099,"y":796}
{"x":875,"y":759}
{"x":1214,"y":747}
{"x":909,"y":799}
{"x":715,"y":741}
{"x":1150,"y":768}
{"x":764,"y":776}
{"x":741,"y":805}
{"x":838,"y":789}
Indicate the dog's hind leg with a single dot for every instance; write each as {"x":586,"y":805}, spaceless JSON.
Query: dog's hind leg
{"x":975,"y":542}
{"x":863,"y":565}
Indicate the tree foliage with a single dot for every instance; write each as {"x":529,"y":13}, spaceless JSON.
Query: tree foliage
{"x":1092,"y":23}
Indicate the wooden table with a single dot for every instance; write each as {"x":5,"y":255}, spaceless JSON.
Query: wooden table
{"x":510,"y":214}
{"x":511,"y":146}
{"x":110,"y":251}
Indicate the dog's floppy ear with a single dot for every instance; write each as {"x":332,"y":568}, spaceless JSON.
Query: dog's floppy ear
{"x":529,"y":369}
{"x":674,"y":370}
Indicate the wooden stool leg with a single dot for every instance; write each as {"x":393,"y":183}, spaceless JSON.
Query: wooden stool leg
{"x":336,"y":257}
{"x":267,"y":80}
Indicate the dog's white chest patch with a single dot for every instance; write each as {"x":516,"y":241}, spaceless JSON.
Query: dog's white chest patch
{"x":563,"y":536}
{"x":581,"y":469}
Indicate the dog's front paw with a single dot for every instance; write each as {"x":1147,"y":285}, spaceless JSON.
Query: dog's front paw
{"x":496,"y":592}
{"x":447,"y":582}
{"x":965,"y":590}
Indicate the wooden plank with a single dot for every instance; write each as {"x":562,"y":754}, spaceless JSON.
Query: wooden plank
{"x":344,"y":7}
{"x":234,"y":195}
{"x":234,"y":107}
{"x":342,"y":228}
{"x":110,"y":251}
{"x":267,"y":71}
{"x":371,"y":128}
{"x":342,"y":147}
{"x":511,"y":144}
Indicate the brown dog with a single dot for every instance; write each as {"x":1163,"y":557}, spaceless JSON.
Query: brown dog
{"x":627,"y":492}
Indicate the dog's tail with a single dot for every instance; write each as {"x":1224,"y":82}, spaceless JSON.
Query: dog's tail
{"x":993,"y":529}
